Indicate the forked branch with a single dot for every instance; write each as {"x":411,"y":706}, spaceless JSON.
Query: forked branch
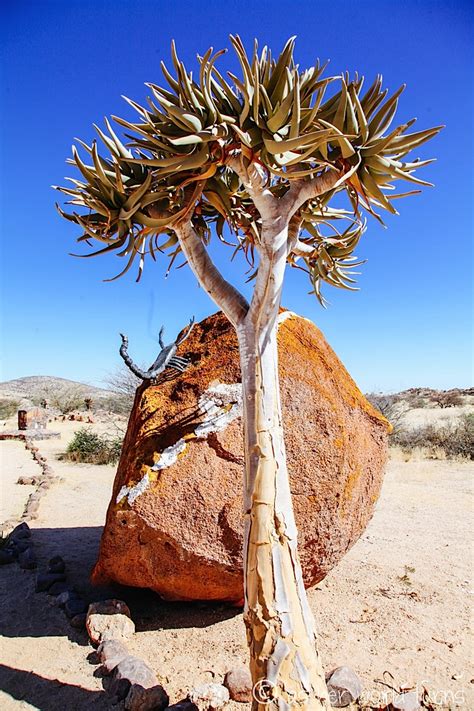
{"x":254,"y":178}
{"x":226,"y":296}
{"x":303,"y":190}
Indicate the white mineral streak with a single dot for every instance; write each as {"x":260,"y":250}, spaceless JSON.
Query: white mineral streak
{"x":290,"y":314}
{"x":220,"y":404}
{"x":169,"y":455}
{"x":167,"y":458}
{"x":133,"y":492}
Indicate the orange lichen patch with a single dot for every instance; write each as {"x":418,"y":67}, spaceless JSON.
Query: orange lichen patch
{"x":290,"y":335}
{"x":350,"y":485}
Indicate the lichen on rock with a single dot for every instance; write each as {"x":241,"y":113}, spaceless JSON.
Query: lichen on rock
{"x":175,"y":520}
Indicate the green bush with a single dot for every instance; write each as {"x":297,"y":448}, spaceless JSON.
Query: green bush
{"x":91,"y":448}
{"x":455,"y":439}
{"x":8,"y":408}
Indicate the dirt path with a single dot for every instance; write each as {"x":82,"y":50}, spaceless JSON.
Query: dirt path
{"x":15,"y":461}
{"x":399,"y":601}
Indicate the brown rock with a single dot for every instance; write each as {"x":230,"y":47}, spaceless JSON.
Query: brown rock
{"x":109,"y":619}
{"x":174,"y":523}
{"x":78,"y":621}
{"x":344,"y":687}
{"x":136,"y":683}
{"x":111,"y":652}
{"x":239,"y":683}
{"x":139,"y":698}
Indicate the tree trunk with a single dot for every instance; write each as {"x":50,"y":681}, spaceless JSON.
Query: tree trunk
{"x":285,"y":665}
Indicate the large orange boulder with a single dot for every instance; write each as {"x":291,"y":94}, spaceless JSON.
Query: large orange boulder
{"x":175,"y":524}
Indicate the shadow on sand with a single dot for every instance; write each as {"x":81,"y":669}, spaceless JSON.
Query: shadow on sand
{"x":49,"y":694}
{"x":26,"y":613}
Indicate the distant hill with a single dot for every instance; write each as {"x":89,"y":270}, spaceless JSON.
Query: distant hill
{"x":33,"y":388}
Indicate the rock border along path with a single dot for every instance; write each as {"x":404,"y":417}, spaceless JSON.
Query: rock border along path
{"x":130,"y":679}
{"x":42,"y":482}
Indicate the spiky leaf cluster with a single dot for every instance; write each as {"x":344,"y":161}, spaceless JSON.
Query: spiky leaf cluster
{"x":296,"y":124}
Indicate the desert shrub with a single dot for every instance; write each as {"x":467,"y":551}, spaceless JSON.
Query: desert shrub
{"x":447,"y":399}
{"x":455,"y":439}
{"x":384,"y":403}
{"x":390,"y":406}
{"x":415,"y":401}
{"x":91,"y":448}
{"x":68,"y":400}
{"x":123,"y":385}
{"x":8,"y":408}
{"x":116,"y":404}
{"x":460,"y":439}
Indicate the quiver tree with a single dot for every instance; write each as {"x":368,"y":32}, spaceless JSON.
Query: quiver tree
{"x":265,"y":154}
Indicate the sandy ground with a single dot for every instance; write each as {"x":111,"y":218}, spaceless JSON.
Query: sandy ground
{"x":398,"y":602}
{"x":15,"y":461}
{"x":440,"y":417}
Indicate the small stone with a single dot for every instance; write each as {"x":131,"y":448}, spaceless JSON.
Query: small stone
{"x":27,"y":559}
{"x":18,"y":545}
{"x":59,"y":587}
{"x":140,"y":699}
{"x":26,"y":480}
{"x":184,"y":705}
{"x":45,"y":580}
{"x":344,"y":687}
{"x":109,"y":619}
{"x":56,"y":565}
{"x":239,"y":683}
{"x":111,"y":652}
{"x":32,"y":508}
{"x":45,"y":485}
{"x":209,"y":696}
{"x":6,"y":556}
{"x":12,"y":548}
{"x":405,"y":702}
{"x":63,"y":597}
{"x":75,"y":606}
{"x":128,"y":672}
{"x":78,"y":621}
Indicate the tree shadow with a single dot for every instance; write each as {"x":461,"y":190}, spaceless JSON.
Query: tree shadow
{"x":49,"y":694}
{"x":26,"y":613}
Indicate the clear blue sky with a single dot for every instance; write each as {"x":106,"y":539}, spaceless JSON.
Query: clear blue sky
{"x":65,"y":66}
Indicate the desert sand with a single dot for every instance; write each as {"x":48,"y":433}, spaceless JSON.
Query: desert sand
{"x":398,"y":602}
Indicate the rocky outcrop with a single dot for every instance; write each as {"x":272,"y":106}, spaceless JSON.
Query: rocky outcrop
{"x":174,"y":523}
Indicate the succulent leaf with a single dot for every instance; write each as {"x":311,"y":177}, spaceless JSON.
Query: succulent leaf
{"x":296,"y":124}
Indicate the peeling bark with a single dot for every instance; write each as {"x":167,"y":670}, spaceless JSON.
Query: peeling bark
{"x":280,"y":628}
{"x":284,"y":662}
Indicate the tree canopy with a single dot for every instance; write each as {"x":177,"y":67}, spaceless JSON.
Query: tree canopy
{"x":185,"y":155}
